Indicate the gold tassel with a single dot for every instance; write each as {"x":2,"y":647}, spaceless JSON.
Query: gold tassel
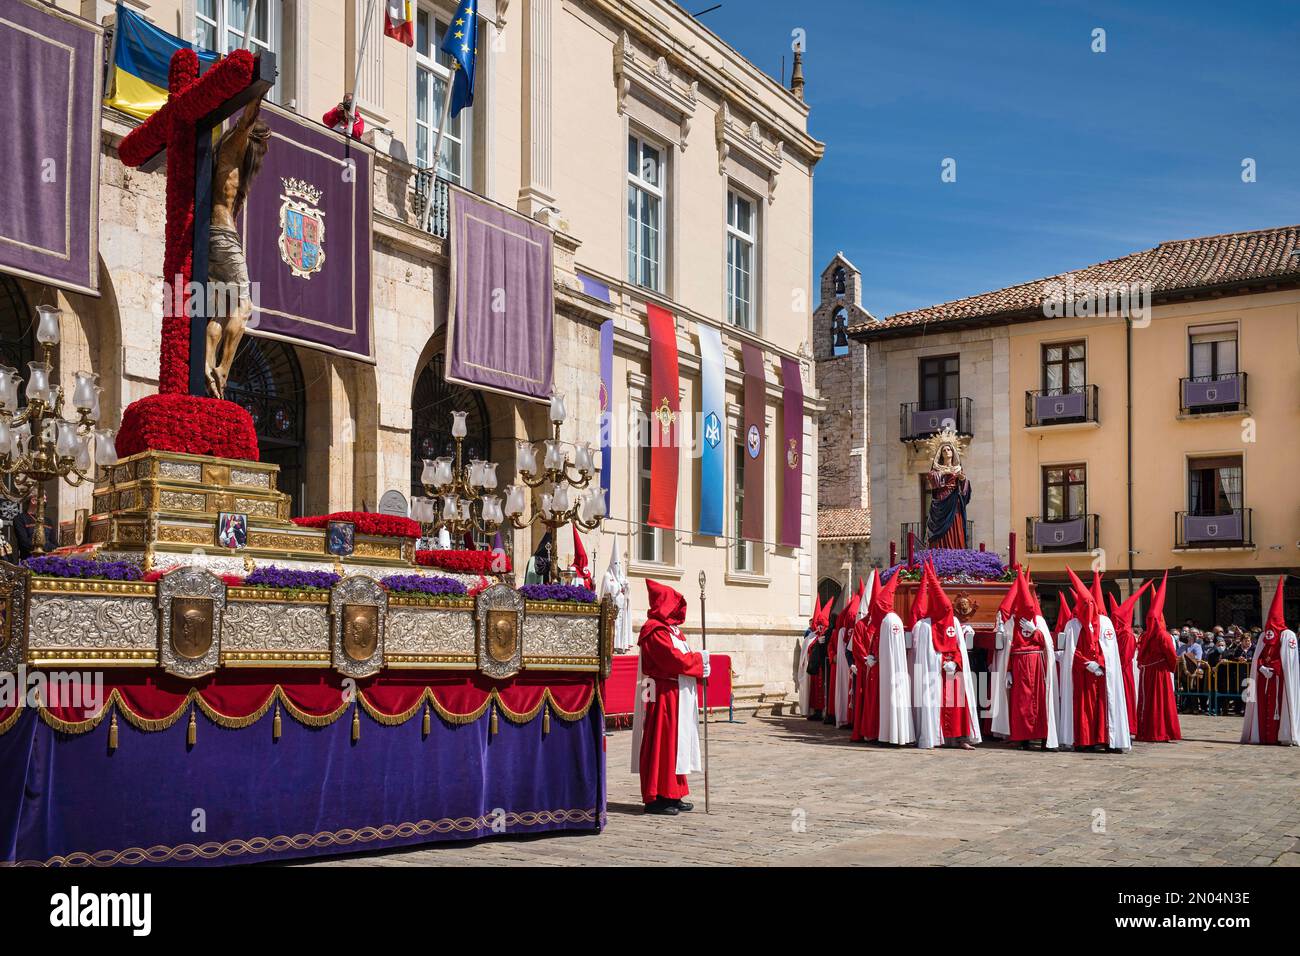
{"x":356,"y":725}
{"x":493,"y":721}
{"x":275,"y":724}
{"x":425,"y":727}
{"x":192,"y":732}
{"x":546,"y":719}
{"x":112,"y":733}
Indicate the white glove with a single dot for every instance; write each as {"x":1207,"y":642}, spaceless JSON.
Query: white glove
{"x":949,"y":668}
{"x":1059,"y":655}
{"x":1094,"y":668}
{"x":707,"y":669}
{"x":871,"y":660}
{"x":1266,"y":670}
{"x":853,"y":669}
{"x":1008,"y":681}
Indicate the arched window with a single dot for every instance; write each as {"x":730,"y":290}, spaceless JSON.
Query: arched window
{"x":432,"y":403}
{"x":828,"y":589}
{"x":839,"y":332}
{"x":266,"y":379}
{"x":17,"y":341}
{"x":841,"y":281}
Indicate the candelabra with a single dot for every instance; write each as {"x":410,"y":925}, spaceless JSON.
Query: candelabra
{"x":461,"y":498}
{"x":39,"y":445}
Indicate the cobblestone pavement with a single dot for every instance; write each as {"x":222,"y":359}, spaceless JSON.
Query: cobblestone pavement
{"x":786,"y":791}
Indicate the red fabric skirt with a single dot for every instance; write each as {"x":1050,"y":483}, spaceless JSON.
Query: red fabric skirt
{"x":1089,"y":709}
{"x":1026,"y":698}
{"x":1268,"y":690}
{"x":954,"y":716}
{"x":867,"y":726}
{"x":1157,"y":706}
{"x":659,"y":777}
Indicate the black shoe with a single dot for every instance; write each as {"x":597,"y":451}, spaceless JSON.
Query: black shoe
{"x":683,"y":805}
{"x":1024,"y":745}
{"x":662,"y":807}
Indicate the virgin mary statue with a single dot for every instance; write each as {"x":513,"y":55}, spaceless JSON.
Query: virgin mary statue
{"x":945,"y":525}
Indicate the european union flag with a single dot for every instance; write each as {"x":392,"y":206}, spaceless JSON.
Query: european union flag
{"x":461,"y":44}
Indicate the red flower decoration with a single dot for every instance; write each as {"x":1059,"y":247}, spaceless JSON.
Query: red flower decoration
{"x":465,"y":562}
{"x":189,"y":424}
{"x":383,"y":526}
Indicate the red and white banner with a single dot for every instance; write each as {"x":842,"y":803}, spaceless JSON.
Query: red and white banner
{"x":665,"y":413}
{"x":754,"y":437}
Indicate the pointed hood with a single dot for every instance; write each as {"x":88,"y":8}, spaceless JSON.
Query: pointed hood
{"x":943,"y":623}
{"x":1010,"y":600}
{"x":1098,"y":601}
{"x":882,"y":600}
{"x":868,"y":596}
{"x":1031,"y":597}
{"x":580,"y":558}
{"x":1121,"y":615}
{"x":1063,"y":615}
{"x":1155,"y":619}
{"x":1276,"y":624}
{"x":1085,"y":609}
{"x":920,"y":601}
{"x":821,"y":618}
{"x":1024,"y":607}
{"x":666,"y":605}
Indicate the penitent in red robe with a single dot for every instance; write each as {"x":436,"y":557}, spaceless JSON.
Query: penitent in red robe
{"x":1027,"y":696}
{"x":954,"y":711}
{"x":1157,"y":717}
{"x":1268,"y":690}
{"x":663,"y":662}
{"x":866,"y":642}
{"x":1089,"y":690}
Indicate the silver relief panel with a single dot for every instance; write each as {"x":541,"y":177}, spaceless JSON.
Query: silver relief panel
{"x":498,"y":631}
{"x":551,"y":638}
{"x":92,"y":622}
{"x":275,"y":628}
{"x":432,"y":633}
{"x":14,"y":584}
{"x":191,"y":604}
{"x":358,"y":618}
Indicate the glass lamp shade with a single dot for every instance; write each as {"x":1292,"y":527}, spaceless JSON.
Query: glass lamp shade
{"x":81,"y":460}
{"x":442,"y":472}
{"x":492,"y":509}
{"x":19,"y":438}
{"x":489,"y":477}
{"x":47,"y":325}
{"x":93,"y":415}
{"x":458,"y":429}
{"x":515,"y":500}
{"x":429,"y":473}
{"x":558,"y":411}
{"x":83,"y":392}
{"x":476,"y":472}
{"x":554,"y":456}
{"x":561,"y":498}
{"x":9,"y":396}
{"x":6,"y":439}
{"x":449,"y":508}
{"x":38,"y":381}
{"x":547,"y":510}
{"x":65,"y":444}
{"x":582,"y":457}
{"x":6,"y":383}
{"x":597,"y":506}
{"x":105,"y":448}
{"x":525,"y":458}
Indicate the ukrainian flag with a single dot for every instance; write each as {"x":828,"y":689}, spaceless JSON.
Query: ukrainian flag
{"x":142,"y":54}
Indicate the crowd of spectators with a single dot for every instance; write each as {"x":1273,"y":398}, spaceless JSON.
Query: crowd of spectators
{"x":1201,"y":650}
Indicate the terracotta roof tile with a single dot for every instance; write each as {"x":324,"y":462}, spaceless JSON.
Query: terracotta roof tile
{"x":843,"y":523}
{"x":1185,"y":265}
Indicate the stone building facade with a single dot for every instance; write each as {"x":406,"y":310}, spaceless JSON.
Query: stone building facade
{"x":563,"y":88}
{"x":844,"y":431}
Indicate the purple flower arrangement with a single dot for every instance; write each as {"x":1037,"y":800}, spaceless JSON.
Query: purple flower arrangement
{"x":271,"y":576}
{"x":558,"y":592}
{"x":426,"y":585}
{"x":955,"y":564}
{"x":57,"y":566}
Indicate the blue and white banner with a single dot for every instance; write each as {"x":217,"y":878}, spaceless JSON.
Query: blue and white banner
{"x":713,"y":446}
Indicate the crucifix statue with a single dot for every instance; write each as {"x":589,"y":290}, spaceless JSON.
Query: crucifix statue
{"x":201,"y":241}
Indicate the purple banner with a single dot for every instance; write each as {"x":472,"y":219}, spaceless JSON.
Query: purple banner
{"x":606,"y":405}
{"x":49,"y":210}
{"x":1219,"y":391}
{"x":501,"y":315}
{"x":1052,"y":407}
{"x":932,"y":421}
{"x":1212,"y":528}
{"x":1055,"y":534}
{"x":306,"y":233}
{"x":792,"y":454}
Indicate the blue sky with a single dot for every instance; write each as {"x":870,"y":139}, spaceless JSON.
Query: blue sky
{"x":1064,"y":157}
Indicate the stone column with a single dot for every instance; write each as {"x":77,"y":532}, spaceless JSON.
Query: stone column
{"x":538,"y":98}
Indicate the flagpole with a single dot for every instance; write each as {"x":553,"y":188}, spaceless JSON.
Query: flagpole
{"x":704,"y":645}
{"x":437,"y":146}
{"x":351,"y":112}
{"x":250,"y":22}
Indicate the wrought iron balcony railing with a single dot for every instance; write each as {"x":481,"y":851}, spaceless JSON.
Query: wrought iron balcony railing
{"x":436,"y":220}
{"x":1206,"y":394}
{"x":919,"y":420}
{"x":1048,"y":535}
{"x":1061,"y":406}
{"x":1232,"y":529}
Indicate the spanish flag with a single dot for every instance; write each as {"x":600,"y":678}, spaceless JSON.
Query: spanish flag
{"x":399,"y":21}
{"x":142,"y":54}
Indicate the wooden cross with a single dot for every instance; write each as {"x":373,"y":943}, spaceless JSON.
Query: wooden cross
{"x":196,"y":105}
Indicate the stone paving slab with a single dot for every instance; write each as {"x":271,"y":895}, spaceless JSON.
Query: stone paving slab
{"x":790,"y":792}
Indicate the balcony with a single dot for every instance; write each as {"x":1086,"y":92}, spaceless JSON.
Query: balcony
{"x":919,"y":420}
{"x":1194,"y":532}
{"x":437,"y":222}
{"x":1063,"y":535}
{"x":918,"y":528}
{"x":1212,"y":394}
{"x":1051,"y":407}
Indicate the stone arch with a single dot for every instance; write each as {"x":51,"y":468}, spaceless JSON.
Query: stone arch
{"x":267,"y":380}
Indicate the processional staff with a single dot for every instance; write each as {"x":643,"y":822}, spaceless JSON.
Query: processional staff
{"x":704,"y":646}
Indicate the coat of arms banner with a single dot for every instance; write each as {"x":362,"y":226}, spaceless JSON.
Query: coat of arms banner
{"x":49,"y":212}
{"x":307,"y":238}
{"x":501,"y":313}
{"x":792,"y":454}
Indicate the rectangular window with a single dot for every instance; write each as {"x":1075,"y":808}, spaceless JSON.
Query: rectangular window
{"x":1213,"y":351}
{"x":940,"y":382}
{"x":645,"y":213}
{"x":220,"y":25}
{"x":1065,"y":367}
{"x":1065,"y":492}
{"x":432,"y":73}
{"x":650,"y":546}
{"x":742,"y":550}
{"x":1214,"y":485}
{"x":742,"y":241}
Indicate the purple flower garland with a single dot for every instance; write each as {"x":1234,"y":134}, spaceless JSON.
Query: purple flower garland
{"x":558,"y":592}
{"x":272,"y":576}
{"x":430,"y":586}
{"x":57,"y":566}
